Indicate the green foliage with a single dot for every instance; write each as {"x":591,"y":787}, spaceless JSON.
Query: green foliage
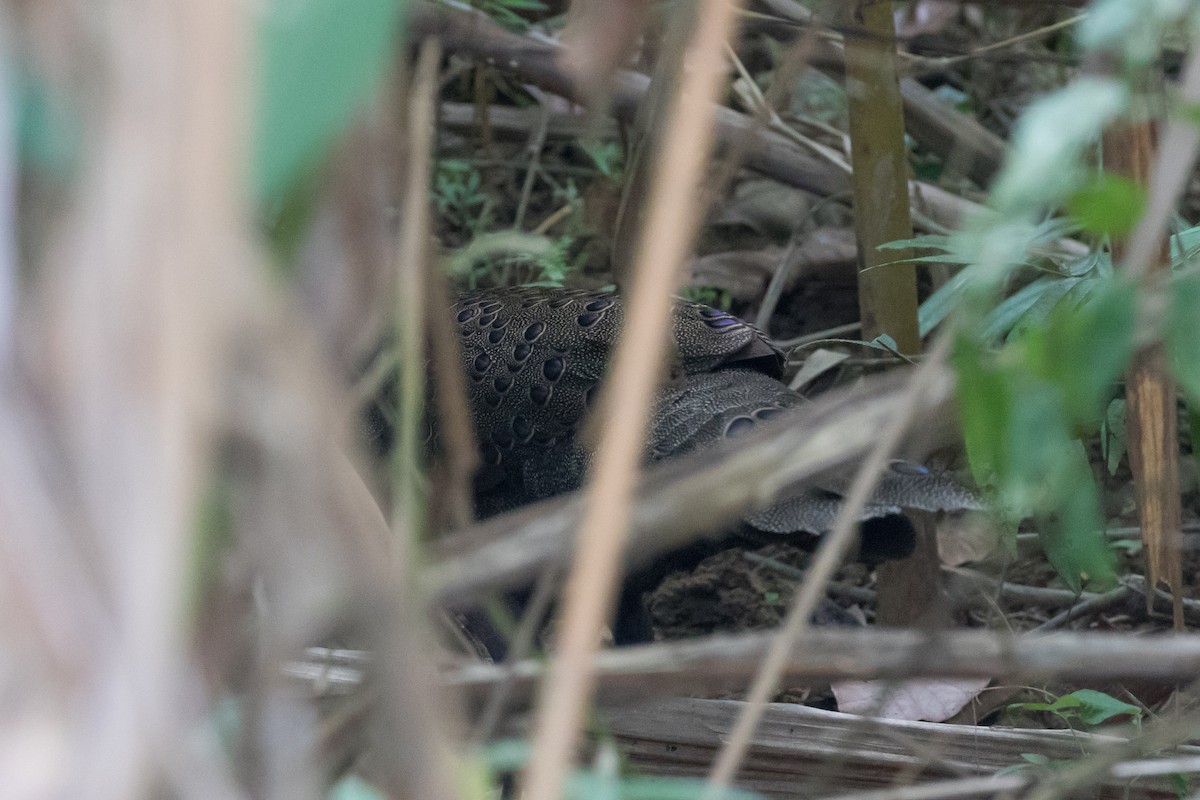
{"x":1131,"y":29}
{"x":1059,"y":272}
{"x":353,"y":787}
{"x":816,"y":96}
{"x":708,"y":295}
{"x":48,"y":131}
{"x":1082,"y":350}
{"x":509,"y":257}
{"x":509,"y":12}
{"x":1109,"y":204}
{"x":318,"y":61}
{"x":1023,"y":406}
{"x":1049,"y":142}
{"x":1085,"y":706}
{"x":602,"y":782}
{"x":1183,"y":332}
{"x":1113,"y":436}
{"x":608,"y":157}
{"x":459,"y":197}
{"x":1037,"y":368}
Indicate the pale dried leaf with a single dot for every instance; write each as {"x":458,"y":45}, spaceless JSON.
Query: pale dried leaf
{"x":963,"y":538}
{"x":924,"y":700}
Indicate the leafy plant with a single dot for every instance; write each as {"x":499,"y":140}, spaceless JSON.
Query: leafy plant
{"x":603,"y":779}
{"x":608,"y":157}
{"x":1042,"y":333}
{"x":509,"y":12}
{"x":459,"y":198}
{"x":708,"y":295}
{"x":1086,"y":707}
{"x":318,"y":61}
{"x":508,"y":257}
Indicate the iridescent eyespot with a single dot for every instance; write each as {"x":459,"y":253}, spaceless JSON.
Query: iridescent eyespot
{"x":486,"y":319}
{"x":908,"y":468}
{"x":534,"y":331}
{"x":602,"y":304}
{"x":490,"y":454}
{"x":521,"y":351}
{"x":588,"y":320}
{"x":553,"y":368}
{"x":466,"y":314}
{"x":768,"y":413}
{"x":522,"y":428}
{"x":483,"y":362}
{"x":720,"y":322}
{"x":502,"y":383}
{"x":738,"y":426}
{"x":539,"y":394}
{"x":496,"y":336}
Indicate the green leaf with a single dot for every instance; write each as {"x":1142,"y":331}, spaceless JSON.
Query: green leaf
{"x":929,"y":241}
{"x":985,"y":399}
{"x":1098,"y":707}
{"x":1110,"y":204}
{"x":1183,"y":332}
{"x":49,"y":131}
{"x":1185,"y":244}
{"x":318,"y":61}
{"x":1194,"y":432}
{"x":659,"y":788}
{"x":1013,"y":309}
{"x":939,"y":304}
{"x":507,"y":755}
{"x":1073,"y":538}
{"x":1115,"y":439}
{"x":1082,"y":351}
{"x":1087,"y":705}
{"x":1045,"y":164}
{"x":353,"y":787}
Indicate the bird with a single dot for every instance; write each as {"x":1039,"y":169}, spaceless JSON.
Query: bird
{"x":535,"y":360}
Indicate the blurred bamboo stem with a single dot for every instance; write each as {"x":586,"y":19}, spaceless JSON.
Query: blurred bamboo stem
{"x":143,"y":297}
{"x":1150,"y":390}
{"x":670,"y":225}
{"x":408,"y":499}
{"x":414,"y":749}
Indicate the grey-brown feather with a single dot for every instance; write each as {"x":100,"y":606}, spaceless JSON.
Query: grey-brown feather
{"x":535,"y":359}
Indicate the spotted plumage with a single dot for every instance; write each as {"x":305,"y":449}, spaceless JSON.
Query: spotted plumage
{"x":535,"y":360}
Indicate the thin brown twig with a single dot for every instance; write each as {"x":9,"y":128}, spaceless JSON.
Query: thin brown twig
{"x":727,"y":662}
{"x":411,"y":732}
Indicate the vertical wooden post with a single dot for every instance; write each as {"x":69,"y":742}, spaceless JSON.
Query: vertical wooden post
{"x":1152,"y":423}
{"x":887,"y":295}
